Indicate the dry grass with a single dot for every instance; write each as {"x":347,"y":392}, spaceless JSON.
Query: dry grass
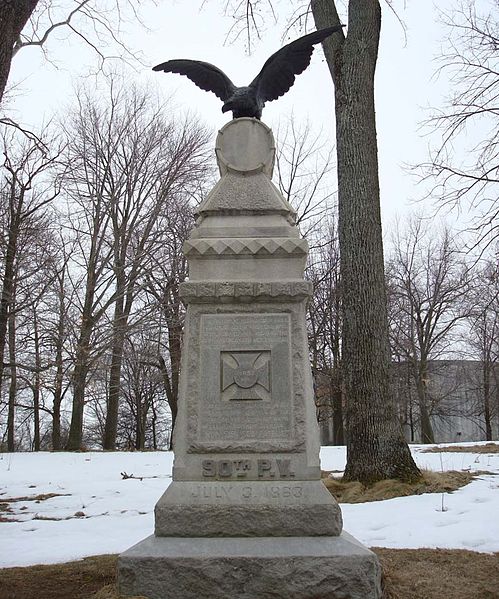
{"x":110,"y":592}
{"x":431,"y":482}
{"x":74,"y":580}
{"x":407,"y":574}
{"x":439,"y":574}
{"x":487,"y":448}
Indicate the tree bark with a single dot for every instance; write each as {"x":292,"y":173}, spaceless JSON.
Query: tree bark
{"x":376,"y":448}
{"x":79,"y":382}
{"x":120,"y":322}
{"x":14,"y":15}
{"x":11,"y":440}
{"x":36,"y":385}
{"x":59,"y":372}
{"x":427,"y":435}
{"x":486,"y":368}
{"x":6,"y":298}
{"x":337,"y":376}
{"x":338,"y":429}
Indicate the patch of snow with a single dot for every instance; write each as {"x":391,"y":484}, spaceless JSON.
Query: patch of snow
{"x":95,"y":510}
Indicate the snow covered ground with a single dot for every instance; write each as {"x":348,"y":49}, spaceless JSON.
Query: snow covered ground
{"x":95,"y":510}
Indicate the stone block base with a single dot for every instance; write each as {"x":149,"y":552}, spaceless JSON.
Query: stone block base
{"x":250,"y":568}
{"x":249,"y":509}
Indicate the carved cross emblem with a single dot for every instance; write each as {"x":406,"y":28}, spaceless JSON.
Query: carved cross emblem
{"x":245,"y":375}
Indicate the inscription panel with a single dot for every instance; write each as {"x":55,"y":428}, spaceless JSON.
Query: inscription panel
{"x":261,"y":469}
{"x":240,"y":492}
{"x":245,"y":393}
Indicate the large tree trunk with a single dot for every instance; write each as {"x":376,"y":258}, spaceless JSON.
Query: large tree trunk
{"x":82,"y":357}
{"x":11,"y":441}
{"x":14,"y":15}
{"x":376,"y":448}
{"x":6,"y":298}
{"x":175,"y":325}
{"x":79,"y":382}
{"x":171,"y":396}
{"x":118,"y":340}
{"x":59,"y":377}
{"x":123,"y":306}
{"x":424,"y":414}
{"x":36,"y":385}
{"x":486,"y":372}
{"x":337,"y":376}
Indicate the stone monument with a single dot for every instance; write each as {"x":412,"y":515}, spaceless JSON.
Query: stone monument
{"x":246,"y":515}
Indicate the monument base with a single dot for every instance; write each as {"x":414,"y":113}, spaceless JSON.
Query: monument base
{"x":246,"y":568}
{"x":247,"y":509}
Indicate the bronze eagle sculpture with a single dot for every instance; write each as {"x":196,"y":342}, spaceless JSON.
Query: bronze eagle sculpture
{"x":274,"y":80}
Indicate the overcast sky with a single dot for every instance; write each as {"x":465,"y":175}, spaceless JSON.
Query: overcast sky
{"x":405,"y":81}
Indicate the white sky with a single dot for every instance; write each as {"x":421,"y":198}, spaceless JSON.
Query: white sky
{"x":405,"y":83}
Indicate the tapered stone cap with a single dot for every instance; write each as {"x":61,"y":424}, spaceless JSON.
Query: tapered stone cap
{"x":245,"y":151}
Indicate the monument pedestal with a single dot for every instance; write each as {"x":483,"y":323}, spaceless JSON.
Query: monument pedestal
{"x":246,"y":515}
{"x":250,"y":568}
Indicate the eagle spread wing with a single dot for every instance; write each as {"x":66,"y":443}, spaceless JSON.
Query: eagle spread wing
{"x":278,"y":73}
{"x":203,"y":74}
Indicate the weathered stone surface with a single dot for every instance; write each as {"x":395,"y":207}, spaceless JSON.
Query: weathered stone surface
{"x":245,"y":246}
{"x":246,"y":515}
{"x":223,"y":292}
{"x":250,"y":508}
{"x":245,"y":154}
{"x":286,"y":424}
{"x":251,"y":568}
{"x":239,"y":194}
{"x":245,"y":146}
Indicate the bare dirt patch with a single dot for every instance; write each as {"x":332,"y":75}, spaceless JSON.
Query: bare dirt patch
{"x":487,"y":448}
{"x":407,"y":574}
{"x":35,"y":498}
{"x":431,"y":482}
{"x":7,"y":514}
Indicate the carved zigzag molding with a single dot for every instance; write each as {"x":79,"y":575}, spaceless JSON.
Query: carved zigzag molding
{"x":245,"y":246}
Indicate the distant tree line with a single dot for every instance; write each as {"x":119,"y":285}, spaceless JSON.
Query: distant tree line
{"x":443,"y":305}
{"x":93,"y":222}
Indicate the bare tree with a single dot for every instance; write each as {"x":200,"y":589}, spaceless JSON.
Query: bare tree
{"x":26,"y":194}
{"x":157,"y":164}
{"x":143,"y":393}
{"x":127,"y":165}
{"x":482,"y":337}
{"x":324,"y":318}
{"x":376,"y":448}
{"x":428,"y":284}
{"x":304,"y":172}
{"x":26,"y":23}
{"x":168,"y":270}
{"x":463,"y":164}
